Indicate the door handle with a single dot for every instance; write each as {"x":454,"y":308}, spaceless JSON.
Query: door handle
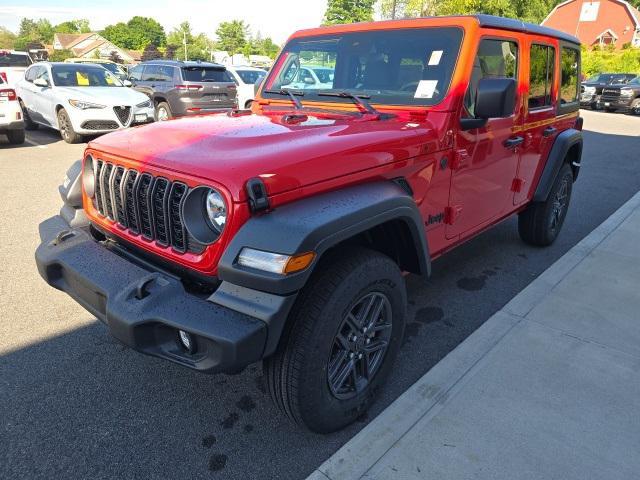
{"x":513,"y":142}
{"x":547,"y":132}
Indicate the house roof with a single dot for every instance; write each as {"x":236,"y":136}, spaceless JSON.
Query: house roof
{"x":93,"y":45}
{"x":68,"y":40}
{"x":634,"y":13}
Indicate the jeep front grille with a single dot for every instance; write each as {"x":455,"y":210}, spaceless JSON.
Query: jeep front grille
{"x":143,"y":204}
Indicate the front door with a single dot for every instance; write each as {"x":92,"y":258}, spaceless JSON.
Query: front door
{"x":485,"y":159}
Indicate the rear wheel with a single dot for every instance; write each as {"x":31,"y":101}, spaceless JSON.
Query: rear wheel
{"x":67,"y":132}
{"x":343,"y":335}
{"x":28,"y":123}
{"x":16,"y":137}
{"x":163,"y":112}
{"x":541,"y":222}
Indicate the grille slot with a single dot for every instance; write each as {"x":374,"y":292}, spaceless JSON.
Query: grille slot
{"x":145,"y":205}
{"x":176,"y":226}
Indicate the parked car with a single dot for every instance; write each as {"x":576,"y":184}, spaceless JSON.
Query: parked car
{"x":311,"y":77}
{"x":185,"y":88}
{"x":246,"y":78}
{"x":622,"y":97}
{"x":282,"y":234}
{"x":591,"y":89}
{"x":79,"y":99}
{"x":11,"y":122}
{"x":13,"y":65}
{"x":117,"y":69}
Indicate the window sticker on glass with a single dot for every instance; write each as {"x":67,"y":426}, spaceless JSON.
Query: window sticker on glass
{"x":436,"y":55}
{"x":426,"y":89}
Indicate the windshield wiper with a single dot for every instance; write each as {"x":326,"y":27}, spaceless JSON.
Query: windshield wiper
{"x":359,"y":99}
{"x":293,"y":95}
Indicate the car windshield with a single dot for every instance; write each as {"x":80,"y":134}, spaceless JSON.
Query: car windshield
{"x":205,"y":74}
{"x":395,"y":67}
{"x":251,"y":76}
{"x":14,"y":59}
{"x":609,"y":78}
{"x":76,"y":75}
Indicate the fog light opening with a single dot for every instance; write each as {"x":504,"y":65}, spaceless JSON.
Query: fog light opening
{"x":187,"y":341}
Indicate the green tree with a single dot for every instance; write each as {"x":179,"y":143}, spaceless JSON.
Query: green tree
{"x":348,"y":11}
{"x":60,"y":55}
{"x":31,"y":30}
{"x":136,"y":34}
{"x":80,"y":25}
{"x":232,"y":36}
{"x":7,"y":38}
{"x":151,"y":52}
{"x":198,"y":46}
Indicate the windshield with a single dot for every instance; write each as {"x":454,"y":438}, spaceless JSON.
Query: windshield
{"x":251,"y":76}
{"x":395,"y":67}
{"x":76,"y":75}
{"x":610,"y":78}
{"x":205,"y":74}
{"x":14,"y":60}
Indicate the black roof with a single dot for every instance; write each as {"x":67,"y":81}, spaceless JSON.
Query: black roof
{"x":520,"y":26}
{"x":181,"y":63}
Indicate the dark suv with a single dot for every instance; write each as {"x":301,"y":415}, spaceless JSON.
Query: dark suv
{"x":185,"y":88}
{"x":591,"y":89}
{"x":622,"y":97}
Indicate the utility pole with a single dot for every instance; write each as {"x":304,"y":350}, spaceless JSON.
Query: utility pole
{"x":393,"y":10}
{"x":184,"y":42}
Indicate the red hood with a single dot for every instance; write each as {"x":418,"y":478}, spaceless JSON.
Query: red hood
{"x":286,"y":155}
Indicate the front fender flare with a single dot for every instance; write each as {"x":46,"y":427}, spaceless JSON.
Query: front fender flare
{"x":316,"y":224}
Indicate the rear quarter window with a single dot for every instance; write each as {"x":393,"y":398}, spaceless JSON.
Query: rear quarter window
{"x":569,"y":69}
{"x":14,"y":60}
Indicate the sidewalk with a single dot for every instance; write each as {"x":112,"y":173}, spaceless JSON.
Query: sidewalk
{"x":547,"y":388}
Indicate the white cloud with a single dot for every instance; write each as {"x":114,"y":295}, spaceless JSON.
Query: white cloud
{"x":276,"y":18}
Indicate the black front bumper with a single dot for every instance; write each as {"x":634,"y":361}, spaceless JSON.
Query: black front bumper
{"x":144,"y":309}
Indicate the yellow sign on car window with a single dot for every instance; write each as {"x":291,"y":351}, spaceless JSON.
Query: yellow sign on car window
{"x":82,"y":79}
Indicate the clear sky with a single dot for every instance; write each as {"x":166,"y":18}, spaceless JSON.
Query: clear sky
{"x":273,"y":18}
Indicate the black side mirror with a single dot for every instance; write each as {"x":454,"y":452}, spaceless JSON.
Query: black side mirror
{"x":495,"y":98}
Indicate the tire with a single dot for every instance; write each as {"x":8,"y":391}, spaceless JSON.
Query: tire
{"x":163,"y":112}
{"x":635,"y":107}
{"x":16,"y":137}
{"x":65,"y":126}
{"x":28,"y":123}
{"x":297,"y":375}
{"x":248,"y":104}
{"x":541,"y":222}
{"x":610,"y":110}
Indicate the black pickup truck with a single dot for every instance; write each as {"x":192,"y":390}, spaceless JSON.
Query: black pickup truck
{"x":622,"y":97}
{"x":591,"y":89}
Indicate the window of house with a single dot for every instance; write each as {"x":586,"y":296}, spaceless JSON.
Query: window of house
{"x":495,"y":59}
{"x":542,"y":63}
{"x":569,"y":64}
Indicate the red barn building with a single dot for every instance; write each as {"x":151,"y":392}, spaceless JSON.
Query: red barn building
{"x":602,"y":22}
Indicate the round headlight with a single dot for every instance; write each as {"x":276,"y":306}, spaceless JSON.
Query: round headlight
{"x":216,"y":210}
{"x":204,"y":213}
{"x":89,"y":177}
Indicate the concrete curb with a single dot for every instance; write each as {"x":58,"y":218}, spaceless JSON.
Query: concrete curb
{"x":427,"y":395}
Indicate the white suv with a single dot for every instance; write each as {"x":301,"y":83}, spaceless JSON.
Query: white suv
{"x":13,"y":65}
{"x":11,"y":122}
{"x":246,"y":78}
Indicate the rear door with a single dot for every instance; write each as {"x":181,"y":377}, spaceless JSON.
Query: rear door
{"x":209,"y":87}
{"x":484,"y":163}
{"x":539,"y":129}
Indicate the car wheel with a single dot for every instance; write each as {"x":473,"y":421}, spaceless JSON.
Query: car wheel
{"x":541,"y":222}
{"x":610,"y":110}
{"x":247,"y":105}
{"x":163,"y":112}
{"x":28,"y":123}
{"x":65,"y":126}
{"x":16,"y":137}
{"x":340,"y":342}
{"x":635,"y":107}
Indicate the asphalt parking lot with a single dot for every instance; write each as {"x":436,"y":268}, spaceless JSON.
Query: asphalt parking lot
{"x":76,"y":404}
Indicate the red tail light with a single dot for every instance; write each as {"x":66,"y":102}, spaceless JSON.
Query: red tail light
{"x":8,"y":93}
{"x":3,"y":75}
{"x":189,"y":87}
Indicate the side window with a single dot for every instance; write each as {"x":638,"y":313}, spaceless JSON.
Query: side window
{"x":31,"y":74}
{"x":495,"y":59}
{"x":164,"y":73}
{"x":42,"y":73}
{"x":151,"y":73}
{"x":542,"y":65}
{"x":135,"y":73}
{"x":569,"y":64}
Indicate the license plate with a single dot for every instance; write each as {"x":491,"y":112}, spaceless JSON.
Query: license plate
{"x":141,"y":117}
{"x":607,"y":104}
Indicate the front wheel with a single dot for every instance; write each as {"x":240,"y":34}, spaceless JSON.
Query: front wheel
{"x":163,"y":112}
{"x":635,"y":106}
{"x":67,"y":132}
{"x":541,"y":222}
{"x":343,"y":335}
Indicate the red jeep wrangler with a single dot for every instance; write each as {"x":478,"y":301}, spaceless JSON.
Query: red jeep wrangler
{"x":282,"y":234}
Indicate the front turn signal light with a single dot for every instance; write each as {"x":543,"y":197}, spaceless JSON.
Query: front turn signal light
{"x":274,"y":262}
